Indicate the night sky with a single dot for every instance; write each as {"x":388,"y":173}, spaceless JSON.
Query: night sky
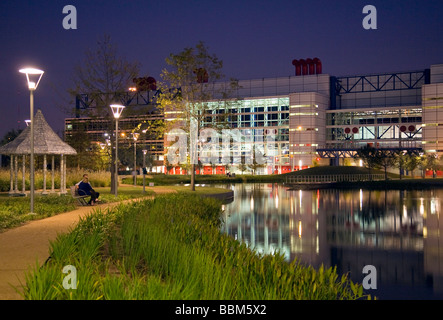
{"x":255,"y":39}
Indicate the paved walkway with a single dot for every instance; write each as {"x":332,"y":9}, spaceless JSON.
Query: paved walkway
{"x":22,"y":247}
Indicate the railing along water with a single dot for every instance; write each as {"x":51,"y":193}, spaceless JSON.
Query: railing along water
{"x":331,"y":178}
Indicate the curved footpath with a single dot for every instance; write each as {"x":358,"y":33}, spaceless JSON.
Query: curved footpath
{"x":22,"y":247}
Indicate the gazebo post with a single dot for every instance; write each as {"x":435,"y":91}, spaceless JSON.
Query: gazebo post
{"x":53,"y":174}
{"x":16,"y":173}
{"x":44,"y":174}
{"x":23,"y":174}
{"x":62,"y":175}
{"x":66,"y":161}
{"x":11,"y":174}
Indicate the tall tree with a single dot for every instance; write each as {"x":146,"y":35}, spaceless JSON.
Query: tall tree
{"x":8,"y":137}
{"x":412,"y":162}
{"x":188,"y":87}
{"x":431,"y":162}
{"x":386,"y":160}
{"x":102,"y":74}
{"x":370,"y":157}
{"x":400,"y":161}
{"x":80,"y":141}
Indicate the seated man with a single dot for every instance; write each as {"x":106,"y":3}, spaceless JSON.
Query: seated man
{"x":85,"y":188}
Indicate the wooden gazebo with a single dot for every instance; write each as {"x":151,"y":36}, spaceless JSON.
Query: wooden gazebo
{"x":46,"y":143}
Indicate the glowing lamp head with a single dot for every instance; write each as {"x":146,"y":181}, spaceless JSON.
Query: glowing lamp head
{"x":117,"y":110}
{"x":33,"y":76}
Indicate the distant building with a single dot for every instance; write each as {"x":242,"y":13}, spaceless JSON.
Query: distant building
{"x":318,"y":118}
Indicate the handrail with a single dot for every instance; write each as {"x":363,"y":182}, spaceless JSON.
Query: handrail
{"x":329,"y":178}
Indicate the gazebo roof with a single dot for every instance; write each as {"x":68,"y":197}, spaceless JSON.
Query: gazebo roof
{"x":46,"y":141}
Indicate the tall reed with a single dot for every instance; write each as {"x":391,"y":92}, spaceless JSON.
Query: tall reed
{"x":171,"y":247}
{"x":97,"y":178}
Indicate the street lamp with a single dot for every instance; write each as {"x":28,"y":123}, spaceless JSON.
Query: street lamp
{"x":135,"y":136}
{"x":116,"y":111}
{"x":144,"y":166}
{"x":33,"y":77}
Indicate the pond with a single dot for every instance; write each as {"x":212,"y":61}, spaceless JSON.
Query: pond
{"x":397,"y":232}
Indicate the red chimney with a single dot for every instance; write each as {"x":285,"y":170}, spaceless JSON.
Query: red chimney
{"x":318,"y":66}
{"x":297,"y":65}
{"x":304,"y":67}
{"x":311,"y":66}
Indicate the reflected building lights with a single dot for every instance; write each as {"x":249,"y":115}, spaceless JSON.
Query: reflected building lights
{"x":434,"y":205}
{"x":275,"y":226}
{"x":300,"y":194}
{"x":299,"y":228}
{"x":317,"y":245}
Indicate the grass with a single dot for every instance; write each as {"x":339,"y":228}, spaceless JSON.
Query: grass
{"x":14,"y":211}
{"x":199,"y":190}
{"x":163,"y":179}
{"x":336,"y":170}
{"x":171,"y":248}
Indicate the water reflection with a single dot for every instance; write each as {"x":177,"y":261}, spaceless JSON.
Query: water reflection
{"x":396,"y":231}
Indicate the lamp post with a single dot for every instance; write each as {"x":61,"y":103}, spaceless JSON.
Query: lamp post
{"x":33,"y":77}
{"x":116,"y":111}
{"x":135,"y":137}
{"x":144,"y":166}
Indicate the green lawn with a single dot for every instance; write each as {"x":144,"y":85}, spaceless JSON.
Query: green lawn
{"x":162,"y":179}
{"x":199,"y":190}
{"x":14,"y":211}
{"x":328,"y":170}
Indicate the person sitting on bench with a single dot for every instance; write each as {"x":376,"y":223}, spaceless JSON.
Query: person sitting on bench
{"x":85,"y":188}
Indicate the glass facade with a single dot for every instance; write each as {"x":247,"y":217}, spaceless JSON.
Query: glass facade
{"x":250,"y":113}
{"x":381,"y":125}
{"x":255,"y":120}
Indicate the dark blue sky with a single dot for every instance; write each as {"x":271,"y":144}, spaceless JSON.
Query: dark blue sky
{"x":255,"y":39}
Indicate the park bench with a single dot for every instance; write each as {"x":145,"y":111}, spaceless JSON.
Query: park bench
{"x":79,"y":198}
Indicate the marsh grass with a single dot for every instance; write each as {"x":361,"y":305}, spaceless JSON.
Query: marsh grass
{"x":97,"y":178}
{"x":171,"y":247}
